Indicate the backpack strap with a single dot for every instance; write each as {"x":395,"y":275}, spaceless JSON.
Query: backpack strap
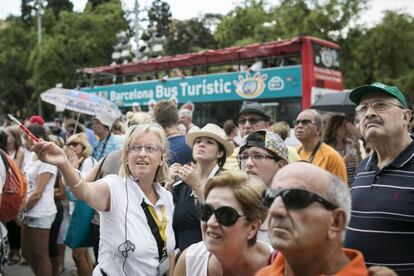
{"x":4,"y":158}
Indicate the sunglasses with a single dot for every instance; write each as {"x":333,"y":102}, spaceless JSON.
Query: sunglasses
{"x":304,"y":122}
{"x":252,"y":121}
{"x":225,"y":215}
{"x":74,"y":144}
{"x":295,"y":199}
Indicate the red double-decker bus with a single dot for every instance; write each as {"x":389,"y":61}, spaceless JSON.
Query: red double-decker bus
{"x":286,"y":76}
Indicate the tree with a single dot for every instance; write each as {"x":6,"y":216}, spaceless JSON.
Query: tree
{"x":240,"y":24}
{"x":159,"y":16}
{"x":59,"y":5}
{"x":383,"y":53}
{"x":324,"y":19}
{"x":15,"y":43}
{"x":95,"y":3}
{"x":189,"y":36}
{"x":27,"y":9}
{"x":75,"y":41}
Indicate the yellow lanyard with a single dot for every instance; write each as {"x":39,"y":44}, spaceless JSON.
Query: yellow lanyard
{"x":163,"y":225}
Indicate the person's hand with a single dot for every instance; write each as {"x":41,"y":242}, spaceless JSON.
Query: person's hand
{"x":381,"y":271}
{"x":172,"y":175}
{"x":73,"y":158}
{"x":173,"y":171}
{"x":190,"y":175}
{"x":49,"y":152}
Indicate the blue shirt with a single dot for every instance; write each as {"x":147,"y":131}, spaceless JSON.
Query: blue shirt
{"x":180,"y":152}
{"x":103,"y":147}
{"x":382,"y":218}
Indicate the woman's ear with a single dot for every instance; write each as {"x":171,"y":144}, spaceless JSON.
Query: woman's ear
{"x":220,"y":154}
{"x":254,"y":228}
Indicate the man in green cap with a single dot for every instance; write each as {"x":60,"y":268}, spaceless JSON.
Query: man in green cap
{"x":382,"y":218}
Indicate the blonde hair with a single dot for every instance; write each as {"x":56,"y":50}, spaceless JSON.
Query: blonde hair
{"x":138,"y":118}
{"x":132,"y":134}
{"x":82,"y":139}
{"x":247,"y":190}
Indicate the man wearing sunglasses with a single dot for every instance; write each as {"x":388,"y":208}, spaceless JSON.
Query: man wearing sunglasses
{"x":308,"y":130}
{"x":382,"y":222}
{"x":309,"y":209}
{"x":251,"y":117}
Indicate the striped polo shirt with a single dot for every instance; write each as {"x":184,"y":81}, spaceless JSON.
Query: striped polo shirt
{"x":382,"y":218}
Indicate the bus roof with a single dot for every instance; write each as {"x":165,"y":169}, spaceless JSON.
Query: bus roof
{"x":209,"y":57}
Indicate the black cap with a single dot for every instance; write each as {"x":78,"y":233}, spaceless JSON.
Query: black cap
{"x":253,"y":107}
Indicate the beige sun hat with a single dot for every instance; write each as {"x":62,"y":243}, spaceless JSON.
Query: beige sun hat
{"x":212,"y":131}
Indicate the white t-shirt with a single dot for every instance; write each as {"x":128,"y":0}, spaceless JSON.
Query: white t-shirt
{"x":46,"y":204}
{"x":87,"y":165}
{"x":144,"y":259}
{"x":2,"y":176}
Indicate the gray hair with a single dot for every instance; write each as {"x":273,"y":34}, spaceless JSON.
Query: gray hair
{"x":338,"y":193}
{"x":317,"y":117}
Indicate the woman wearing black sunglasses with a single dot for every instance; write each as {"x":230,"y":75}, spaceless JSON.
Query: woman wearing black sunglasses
{"x":230,"y":219}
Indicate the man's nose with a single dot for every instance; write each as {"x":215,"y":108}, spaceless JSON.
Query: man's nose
{"x":278,"y":208}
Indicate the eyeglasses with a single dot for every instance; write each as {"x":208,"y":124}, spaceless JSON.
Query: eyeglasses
{"x":255,"y":157}
{"x":148,"y":148}
{"x":225,"y":215}
{"x":377,"y":106}
{"x":252,"y":121}
{"x":304,"y":122}
{"x":73,"y":144}
{"x":295,"y":199}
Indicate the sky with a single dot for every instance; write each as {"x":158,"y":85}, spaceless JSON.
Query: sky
{"x":185,"y":9}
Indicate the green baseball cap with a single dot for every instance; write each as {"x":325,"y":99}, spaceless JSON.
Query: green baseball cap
{"x":357,"y":94}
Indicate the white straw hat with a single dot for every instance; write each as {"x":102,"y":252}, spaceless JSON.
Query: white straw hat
{"x":212,"y":131}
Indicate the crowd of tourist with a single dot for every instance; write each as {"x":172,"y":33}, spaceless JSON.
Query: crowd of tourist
{"x":158,"y":195}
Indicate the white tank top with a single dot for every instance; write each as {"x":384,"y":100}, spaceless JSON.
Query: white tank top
{"x":196,"y":261}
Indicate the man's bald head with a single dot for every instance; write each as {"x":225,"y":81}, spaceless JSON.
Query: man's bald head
{"x":306,"y":176}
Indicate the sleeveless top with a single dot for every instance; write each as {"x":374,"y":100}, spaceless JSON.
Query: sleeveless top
{"x":196,"y":261}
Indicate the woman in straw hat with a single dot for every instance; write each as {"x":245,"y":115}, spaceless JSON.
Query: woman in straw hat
{"x":210,"y":149}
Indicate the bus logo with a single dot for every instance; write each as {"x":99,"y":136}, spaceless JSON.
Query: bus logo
{"x":276,"y":83}
{"x":250,"y":87}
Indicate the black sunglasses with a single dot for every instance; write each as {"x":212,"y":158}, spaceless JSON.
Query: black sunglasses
{"x":225,"y":215}
{"x":295,"y":198}
{"x":74,"y":144}
{"x":304,"y":122}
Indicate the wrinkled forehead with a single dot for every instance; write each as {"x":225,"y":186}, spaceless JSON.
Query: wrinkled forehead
{"x":377,"y":96}
{"x":300,"y":178}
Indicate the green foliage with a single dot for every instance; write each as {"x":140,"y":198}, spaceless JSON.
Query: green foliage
{"x":15,"y":43}
{"x":384,"y":53}
{"x":58,"y":6}
{"x":323,"y":19}
{"x":159,"y":16}
{"x":74,"y":41}
{"x":241,"y":23}
{"x":189,"y":36}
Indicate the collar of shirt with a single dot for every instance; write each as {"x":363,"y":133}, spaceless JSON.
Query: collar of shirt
{"x":406,"y":155}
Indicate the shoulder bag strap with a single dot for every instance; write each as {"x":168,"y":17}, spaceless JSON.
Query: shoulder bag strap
{"x":154,"y":229}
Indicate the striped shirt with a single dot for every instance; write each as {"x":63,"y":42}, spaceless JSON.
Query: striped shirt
{"x":382,"y":218}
